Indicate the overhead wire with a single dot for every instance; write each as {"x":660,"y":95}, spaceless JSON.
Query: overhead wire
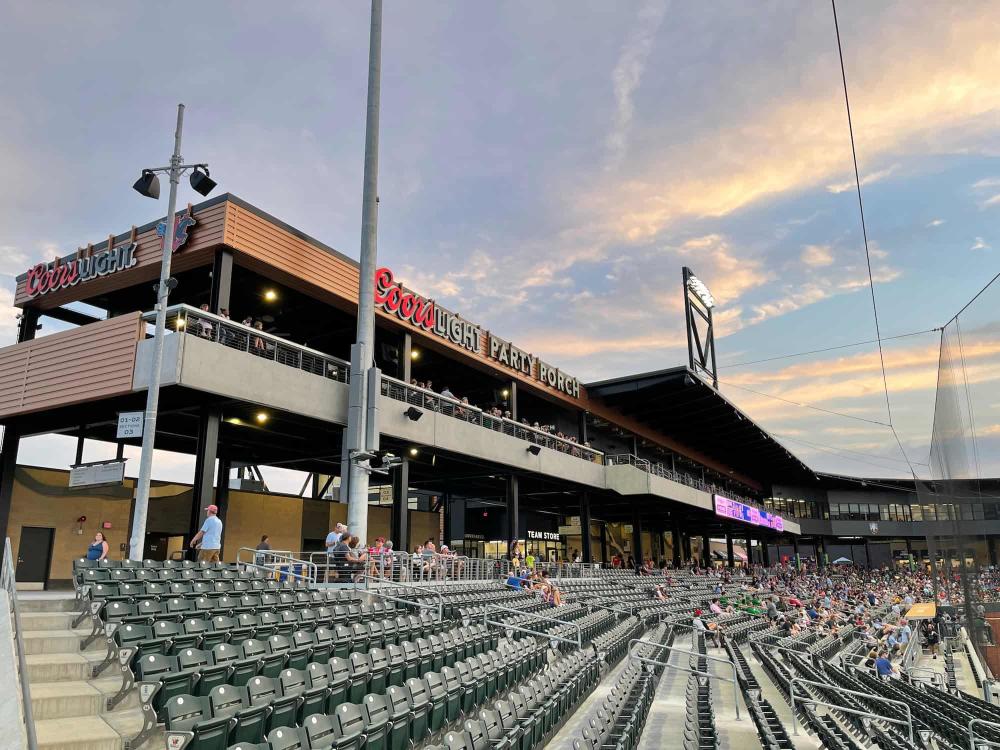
{"x":864,"y":234}
{"x":806,"y":406}
{"x":828,"y":349}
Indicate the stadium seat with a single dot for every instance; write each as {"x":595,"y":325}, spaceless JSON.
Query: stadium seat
{"x":248,"y":721}
{"x":187,"y":713}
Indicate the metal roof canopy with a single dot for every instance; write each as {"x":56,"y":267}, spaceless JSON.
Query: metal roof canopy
{"x":678,"y":403}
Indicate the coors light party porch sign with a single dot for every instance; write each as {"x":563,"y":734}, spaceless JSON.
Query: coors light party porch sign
{"x":425,"y":314}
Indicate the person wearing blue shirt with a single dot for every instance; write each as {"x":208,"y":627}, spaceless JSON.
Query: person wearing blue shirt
{"x":884,"y":667}
{"x":208,"y":541}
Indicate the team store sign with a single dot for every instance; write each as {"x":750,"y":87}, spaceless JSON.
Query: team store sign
{"x":425,"y":314}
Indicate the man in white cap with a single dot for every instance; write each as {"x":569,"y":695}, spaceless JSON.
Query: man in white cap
{"x":208,"y":541}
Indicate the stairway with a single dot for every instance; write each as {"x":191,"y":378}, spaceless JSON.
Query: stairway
{"x":69,"y":704}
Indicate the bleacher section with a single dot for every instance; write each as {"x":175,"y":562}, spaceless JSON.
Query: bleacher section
{"x":214,"y":657}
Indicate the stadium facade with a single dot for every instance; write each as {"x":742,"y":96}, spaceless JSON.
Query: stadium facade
{"x":261,"y":321}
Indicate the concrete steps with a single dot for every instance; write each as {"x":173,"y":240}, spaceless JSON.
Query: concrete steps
{"x":68,"y":703}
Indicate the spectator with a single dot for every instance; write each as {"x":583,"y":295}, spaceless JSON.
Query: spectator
{"x":931,"y":637}
{"x":429,"y":560}
{"x":263,"y":547}
{"x":883,"y":667}
{"x":208,"y":541}
{"x":259,"y":347}
{"x":98,"y":549}
{"x":204,"y":324}
{"x":332,"y":539}
{"x":446,"y":392}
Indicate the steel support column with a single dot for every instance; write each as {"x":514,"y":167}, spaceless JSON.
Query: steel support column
{"x":730,"y":556}
{"x":400,"y":530}
{"x":11,"y":441}
{"x":222,"y":281}
{"x":513,"y":522}
{"x":203,"y":489}
{"x":585,"y":552}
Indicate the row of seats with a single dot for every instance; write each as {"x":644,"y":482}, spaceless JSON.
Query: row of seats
{"x":549,"y":702}
{"x":299,"y":647}
{"x":699,"y":716}
{"x":198,"y":672}
{"x":619,"y":721}
{"x":312,"y":711}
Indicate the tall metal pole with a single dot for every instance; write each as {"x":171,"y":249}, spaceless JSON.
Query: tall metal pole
{"x":362,"y":351}
{"x":138,"y":539}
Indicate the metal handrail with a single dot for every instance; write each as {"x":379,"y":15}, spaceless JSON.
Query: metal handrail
{"x":937,"y":679}
{"x":659,"y":470}
{"x":984,"y":722}
{"x":682,"y":668}
{"x":9,"y":583}
{"x":375,"y":592}
{"x":281,"y":564}
{"x":452,"y":407}
{"x":868,"y":696}
{"x":188,"y":320}
{"x":540,"y":634}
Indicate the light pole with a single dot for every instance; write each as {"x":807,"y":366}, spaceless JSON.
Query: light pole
{"x":361,"y":435}
{"x":149,"y":186}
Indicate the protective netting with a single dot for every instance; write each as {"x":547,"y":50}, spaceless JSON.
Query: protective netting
{"x":965,"y":462}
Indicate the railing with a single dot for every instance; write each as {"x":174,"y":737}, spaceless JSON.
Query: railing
{"x":538,"y":633}
{"x":9,"y":584}
{"x":912,"y":653}
{"x":680,"y":667}
{"x":202,"y":324}
{"x":423,"y":398}
{"x":398,"y":567}
{"x":366,"y":579}
{"x":278,"y":564}
{"x":983,"y":741}
{"x":660,"y":470}
{"x":809,"y":700}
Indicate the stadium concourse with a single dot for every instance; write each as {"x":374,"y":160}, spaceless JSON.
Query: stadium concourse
{"x":210,"y":656}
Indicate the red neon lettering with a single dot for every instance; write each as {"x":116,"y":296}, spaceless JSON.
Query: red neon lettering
{"x":36,"y":277}
{"x":407,"y":305}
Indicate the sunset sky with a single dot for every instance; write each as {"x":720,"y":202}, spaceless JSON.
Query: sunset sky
{"x":547,"y":169}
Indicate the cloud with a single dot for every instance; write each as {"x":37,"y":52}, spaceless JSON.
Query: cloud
{"x":980,"y":244}
{"x":993,"y":201}
{"x":816,"y":256}
{"x":986,"y":182}
{"x":935,"y":223}
{"x":628,"y":73}
{"x":868,"y":179}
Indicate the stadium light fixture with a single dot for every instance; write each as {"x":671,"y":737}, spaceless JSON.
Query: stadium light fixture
{"x":201,"y":183}
{"x":413,"y":414}
{"x":697,"y":287}
{"x":414,"y":451}
{"x":415,"y":354}
{"x":148,"y":185}
{"x":505,"y":393}
{"x":270,"y":295}
{"x":262,"y":417}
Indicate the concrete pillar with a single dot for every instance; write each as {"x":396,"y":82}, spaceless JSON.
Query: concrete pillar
{"x":991,"y":549}
{"x":222,"y":491}
{"x":513,"y":522}
{"x":675,"y":534}
{"x":730,"y":558}
{"x":585,"y":553}
{"x":512,"y":399}
{"x":604,"y":543}
{"x":204,"y":465}
{"x":765,"y":553}
{"x":455,"y":520}
{"x":706,"y":551}
{"x":686,"y":548}
{"x":582,"y":428}
{"x":400,"y":528}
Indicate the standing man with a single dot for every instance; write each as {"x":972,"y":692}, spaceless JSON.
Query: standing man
{"x":332,"y":540}
{"x":208,"y":541}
